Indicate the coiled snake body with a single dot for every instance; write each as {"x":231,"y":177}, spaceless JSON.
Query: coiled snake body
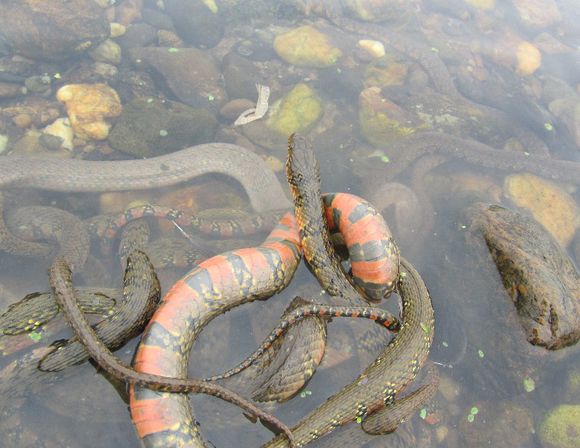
{"x":241,"y":276}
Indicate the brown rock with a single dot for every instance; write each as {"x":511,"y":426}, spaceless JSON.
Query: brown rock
{"x":553,"y":207}
{"x":128,"y":11}
{"x":52,"y":30}
{"x":191,"y":74}
{"x":41,"y":110}
{"x":232,"y":109}
{"x":22,"y":120}
{"x":537,"y":13}
{"x":9,"y":90}
{"x":87,"y":105}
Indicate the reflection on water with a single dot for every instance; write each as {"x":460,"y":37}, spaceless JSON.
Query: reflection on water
{"x":362,"y":80}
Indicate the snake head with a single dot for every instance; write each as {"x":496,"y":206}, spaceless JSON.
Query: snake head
{"x":302,"y":162}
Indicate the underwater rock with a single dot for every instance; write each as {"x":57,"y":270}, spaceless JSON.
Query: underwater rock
{"x":382,"y":121}
{"x":573,"y":384}
{"x":10,"y":90}
{"x":381,"y":10}
{"x":568,"y":112}
{"x":536,"y":272}
{"x":528,"y":58}
{"x":510,"y":50}
{"x":385,"y":72}
{"x":108,"y":51}
{"x":128,"y":11}
{"x":561,"y":427}
{"x":191,"y":74}
{"x":240,"y":77}
{"x":548,"y":203}
{"x":537,"y":13}
{"x":197,"y":22}
{"x":150,"y":127}
{"x":501,"y":425}
{"x":295,"y":112}
{"x":232,"y":109}
{"x":307,"y":47}
{"x":484,"y":5}
{"x":87,"y":105}
{"x":61,"y":128}
{"x":50,"y":30}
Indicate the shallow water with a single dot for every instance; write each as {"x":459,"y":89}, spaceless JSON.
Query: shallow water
{"x":485,"y":362}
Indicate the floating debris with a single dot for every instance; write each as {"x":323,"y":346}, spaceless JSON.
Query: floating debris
{"x":472,"y":413}
{"x":255,"y":113}
{"x":305,"y":393}
{"x":529,"y":384}
{"x":379,"y":154}
{"x":35,"y":336}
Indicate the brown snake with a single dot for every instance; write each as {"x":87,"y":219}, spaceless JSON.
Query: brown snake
{"x":61,"y":282}
{"x":71,"y":175}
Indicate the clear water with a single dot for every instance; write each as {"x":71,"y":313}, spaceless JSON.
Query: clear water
{"x":480,"y":349}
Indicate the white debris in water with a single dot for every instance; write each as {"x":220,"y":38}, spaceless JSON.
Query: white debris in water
{"x":255,"y":113}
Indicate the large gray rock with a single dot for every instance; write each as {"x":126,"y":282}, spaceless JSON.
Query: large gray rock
{"x":190,"y":74}
{"x":195,"y":23}
{"x":52,"y":30}
{"x":148,"y":127}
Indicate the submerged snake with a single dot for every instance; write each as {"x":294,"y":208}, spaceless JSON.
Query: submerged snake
{"x":264,"y":191}
{"x":219,"y":284}
{"x":400,"y":361}
{"x":418,"y":294}
{"x":61,"y":282}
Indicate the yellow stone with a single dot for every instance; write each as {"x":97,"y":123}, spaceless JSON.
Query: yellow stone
{"x":117,"y":29}
{"x":529,"y":58}
{"x":296,"y":112}
{"x":373,"y":47}
{"x":116,"y":201}
{"x":211,"y":5}
{"x":393,"y":74}
{"x":548,"y":203}
{"x":381,"y":121}
{"x":481,"y":4}
{"x":61,"y":128}
{"x":87,"y":106}
{"x":307,"y":47}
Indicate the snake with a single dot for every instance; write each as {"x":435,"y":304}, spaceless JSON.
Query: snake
{"x":36,"y":309}
{"x":217,"y":285}
{"x":71,"y":175}
{"x":264,"y":192}
{"x":140,"y":287}
{"x":61,"y":281}
{"x":134,"y":306}
{"x":36,"y":223}
{"x":408,"y":150}
{"x":239,"y":226}
{"x":100,"y":187}
{"x":399,"y":361}
{"x":213,"y":287}
{"x":380,"y":383}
